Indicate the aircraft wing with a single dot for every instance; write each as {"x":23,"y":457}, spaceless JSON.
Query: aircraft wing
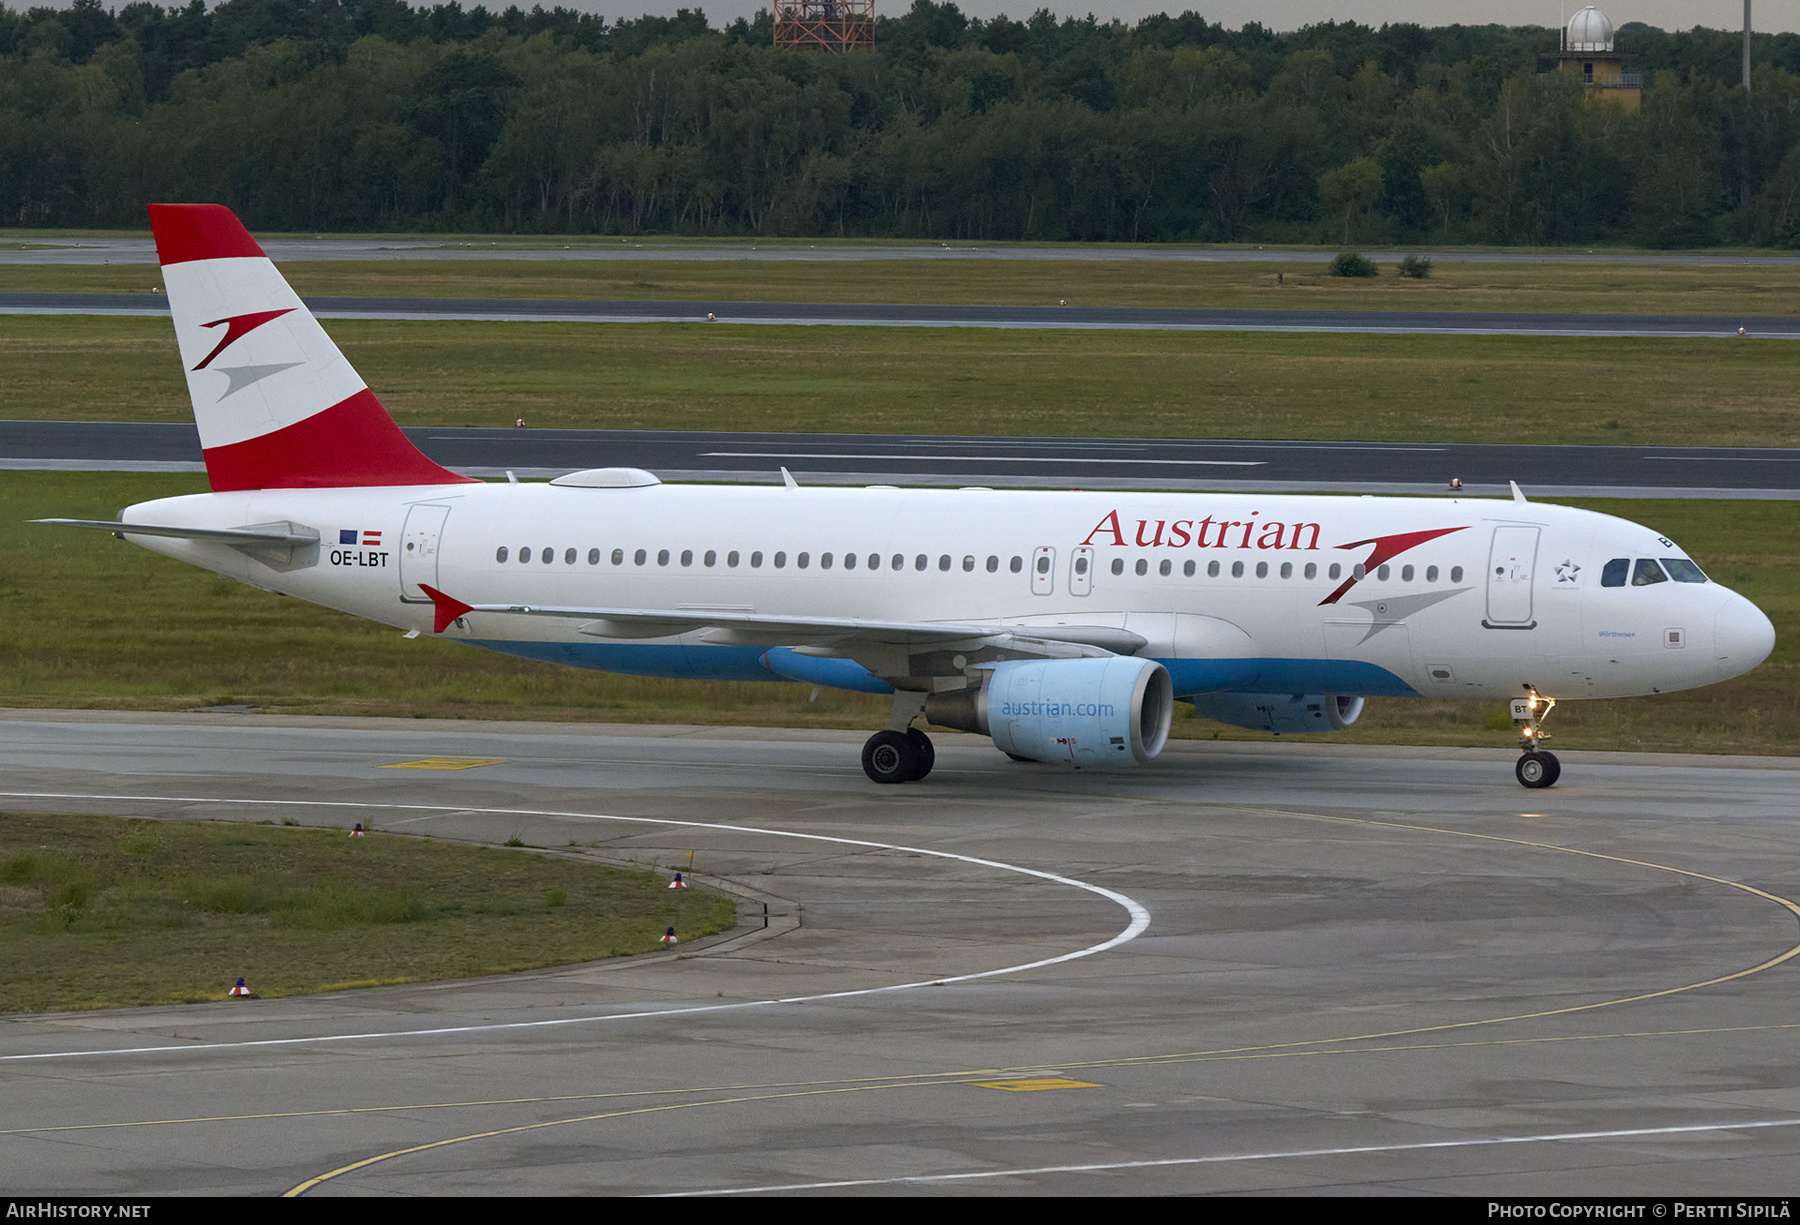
{"x":736,"y":626}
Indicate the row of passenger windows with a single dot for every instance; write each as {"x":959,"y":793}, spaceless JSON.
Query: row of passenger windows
{"x":945,"y":562}
{"x":1309,"y":571}
{"x":826,"y":561}
{"x":1647,"y":571}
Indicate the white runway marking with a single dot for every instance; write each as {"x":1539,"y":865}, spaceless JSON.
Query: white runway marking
{"x":986,"y":459}
{"x":1223,"y":1159}
{"x":1139,"y":921}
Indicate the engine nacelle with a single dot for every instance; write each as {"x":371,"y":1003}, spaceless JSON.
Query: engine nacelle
{"x":1084,"y":712}
{"x":1280,"y":712}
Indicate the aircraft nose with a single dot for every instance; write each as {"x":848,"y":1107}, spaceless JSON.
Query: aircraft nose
{"x":1742,"y":637}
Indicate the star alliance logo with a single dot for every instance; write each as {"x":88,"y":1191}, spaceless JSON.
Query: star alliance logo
{"x":1566,"y":571}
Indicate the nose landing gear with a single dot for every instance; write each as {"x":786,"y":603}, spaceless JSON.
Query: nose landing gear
{"x":1535,"y":767}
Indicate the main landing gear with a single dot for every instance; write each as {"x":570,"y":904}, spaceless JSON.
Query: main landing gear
{"x":1535,"y":768}
{"x":898,"y":757}
{"x":903,"y":753}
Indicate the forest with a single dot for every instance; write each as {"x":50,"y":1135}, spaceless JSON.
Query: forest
{"x":372,"y":115}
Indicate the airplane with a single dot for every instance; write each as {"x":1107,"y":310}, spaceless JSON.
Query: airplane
{"x":1063,"y":625}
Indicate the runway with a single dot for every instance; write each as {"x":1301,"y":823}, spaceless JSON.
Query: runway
{"x":1245,"y":968}
{"x":842,"y":314}
{"x":131,"y":249}
{"x":930,"y":460}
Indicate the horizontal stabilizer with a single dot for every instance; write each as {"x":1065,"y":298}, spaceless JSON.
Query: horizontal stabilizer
{"x":271,"y":535}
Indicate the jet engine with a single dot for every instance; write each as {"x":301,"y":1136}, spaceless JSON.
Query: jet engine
{"x":1280,"y":712}
{"x":1084,"y":712}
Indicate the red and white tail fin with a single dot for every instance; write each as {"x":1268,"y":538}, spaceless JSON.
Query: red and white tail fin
{"x":277,"y":405}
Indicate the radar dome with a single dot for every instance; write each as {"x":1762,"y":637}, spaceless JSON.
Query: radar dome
{"x":1590,"y":30}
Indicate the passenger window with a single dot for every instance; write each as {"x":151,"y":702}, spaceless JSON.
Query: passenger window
{"x":1381,"y":572}
{"x":1237,"y":569}
{"x":711,"y":558}
{"x":1188,"y":570}
{"x":849,"y":561}
{"x":1018,"y":564}
{"x":525,"y":553}
{"x":968,"y":565}
{"x":1647,"y":572}
{"x":756,"y":560}
{"x":1142,"y":567}
{"x":500,"y":553}
{"x":618,"y":557}
{"x":1311,"y":571}
{"x":875,"y":562}
{"x":593,"y":557}
{"x":1357,"y":572}
{"x":800,"y":561}
{"x":637,"y":558}
{"x":994,"y":565}
{"x":1406,"y":573}
{"x":549,"y":555}
{"x":1165,"y":568}
{"x":1043,"y":565}
{"x":944,"y":561}
{"x":1287,"y":569}
{"x":1614,"y":572}
{"x":1431,"y":574}
{"x":825,"y":561}
{"x":1262,"y":569}
{"x":1081,"y":565}
{"x":662,"y":557}
{"x":1333,"y":573}
{"x":1455,"y":574}
{"x":1682,"y":570}
{"x":780,"y":560}
{"x":1118,"y":566}
{"x":568,"y":557}
{"x":1212,"y":569}
{"x":687,"y":557}
{"x":921,"y":561}
{"x":899,"y":562}
{"x":731,"y":559}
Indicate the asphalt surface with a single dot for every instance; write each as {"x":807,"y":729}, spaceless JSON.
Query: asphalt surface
{"x":135,"y":250}
{"x":1123,"y":463}
{"x":1278,"y":968}
{"x":840,"y":314}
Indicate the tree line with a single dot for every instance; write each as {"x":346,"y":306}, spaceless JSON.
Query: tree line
{"x":374,"y":115}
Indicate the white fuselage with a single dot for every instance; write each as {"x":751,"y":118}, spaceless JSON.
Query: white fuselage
{"x":1231,"y":592}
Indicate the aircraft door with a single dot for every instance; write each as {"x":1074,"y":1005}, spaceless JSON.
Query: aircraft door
{"x":419,"y":551}
{"x":1043,"y":570}
{"x":1511,"y":562}
{"x":1081,"y":570}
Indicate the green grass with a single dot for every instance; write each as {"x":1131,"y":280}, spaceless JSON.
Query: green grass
{"x":1713,"y":289}
{"x":100,"y":912}
{"x":87,"y":621}
{"x":974,"y":381}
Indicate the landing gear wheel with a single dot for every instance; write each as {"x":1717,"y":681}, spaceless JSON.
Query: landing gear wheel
{"x":889,"y":757}
{"x":924,"y":753}
{"x":1538,"y":769}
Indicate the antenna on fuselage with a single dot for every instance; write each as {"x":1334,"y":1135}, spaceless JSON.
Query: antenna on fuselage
{"x":1518,"y":495}
{"x":787,"y":478}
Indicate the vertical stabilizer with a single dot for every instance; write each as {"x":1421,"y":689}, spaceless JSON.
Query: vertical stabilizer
{"x":277,"y":405}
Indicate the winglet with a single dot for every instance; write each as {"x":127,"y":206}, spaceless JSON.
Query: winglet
{"x":1518,"y":495}
{"x":787,"y":478}
{"x":448,"y":608}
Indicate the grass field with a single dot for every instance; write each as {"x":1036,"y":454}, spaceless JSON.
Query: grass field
{"x":101,"y":912}
{"x":87,"y":621}
{"x":1712,"y":289}
{"x":1724,"y":392}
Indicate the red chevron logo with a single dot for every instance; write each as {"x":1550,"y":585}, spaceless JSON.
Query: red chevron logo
{"x":1386,"y":547}
{"x":236,"y":328}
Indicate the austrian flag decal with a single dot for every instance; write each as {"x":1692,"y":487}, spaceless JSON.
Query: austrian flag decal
{"x":370,"y":540}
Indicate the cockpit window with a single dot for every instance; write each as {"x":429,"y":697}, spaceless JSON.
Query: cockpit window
{"x":1613,"y":574}
{"x":1682,"y":570}
{"x":1647,"y":572}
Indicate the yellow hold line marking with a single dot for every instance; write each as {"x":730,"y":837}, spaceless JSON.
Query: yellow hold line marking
{"x":446,"y":763}
{"x":1030,"y":1085}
